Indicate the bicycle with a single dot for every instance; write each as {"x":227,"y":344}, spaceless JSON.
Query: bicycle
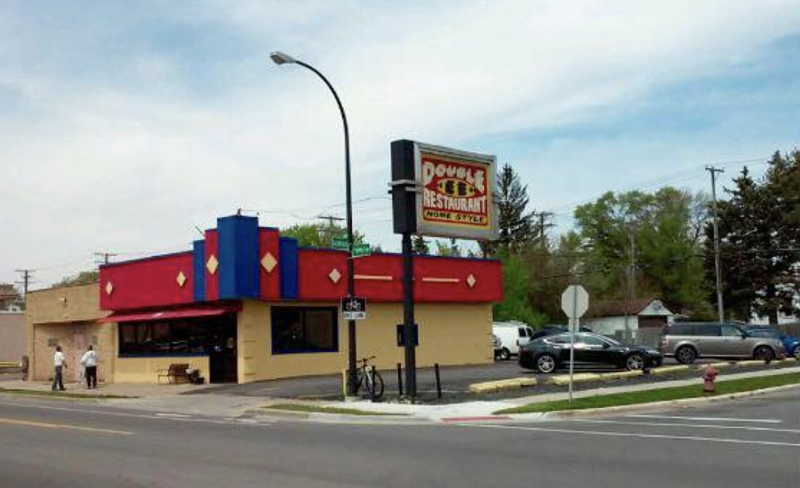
{"x":368,"y":377}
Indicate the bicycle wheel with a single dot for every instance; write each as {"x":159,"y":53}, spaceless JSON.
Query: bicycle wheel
{"x":374,"y":388}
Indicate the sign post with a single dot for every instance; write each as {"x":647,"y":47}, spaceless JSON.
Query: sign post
{"x":574,"y":303}
{"x":440,"y":192}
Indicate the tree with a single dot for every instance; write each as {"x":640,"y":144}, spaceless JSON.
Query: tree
{"x":516,"y":304}
{"x":319,"y":235}
{"x":81,"y":278}
{"x":758,"y":227}
{"x":516,"y":224}
{"x":662,"y":226}
{"x":420,"y":246}
{"x":448,"y":248}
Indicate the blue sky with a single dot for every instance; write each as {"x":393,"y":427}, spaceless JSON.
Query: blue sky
{"x":124,"y":125}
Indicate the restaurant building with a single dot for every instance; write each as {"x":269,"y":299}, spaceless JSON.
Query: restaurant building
{"x":247,"y":304}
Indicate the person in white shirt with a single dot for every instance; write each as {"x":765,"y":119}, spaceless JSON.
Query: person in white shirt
{"x":58,"y":361}
{"x":89,"y":361}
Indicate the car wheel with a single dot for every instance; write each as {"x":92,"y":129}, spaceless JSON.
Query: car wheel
{"x":545,"y":363}
{"x":796,"y":353}
{"x":686,"y":355}
{"x":634,"y":362}
{"x":764,"y":353}
{"x":505,"y":354}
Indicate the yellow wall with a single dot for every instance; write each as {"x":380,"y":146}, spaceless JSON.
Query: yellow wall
{"x":145,"y":370}
{"x":450,"y":334}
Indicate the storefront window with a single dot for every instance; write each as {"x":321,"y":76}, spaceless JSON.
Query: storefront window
{"x":304,"y":330}
{"x":190,"y":336}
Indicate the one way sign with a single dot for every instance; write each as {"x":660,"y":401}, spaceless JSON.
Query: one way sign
{"x":354,"y":308}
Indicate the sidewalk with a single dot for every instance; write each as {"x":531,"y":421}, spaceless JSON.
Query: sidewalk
{"x":480,"y":409}
{"x":173,"y":399}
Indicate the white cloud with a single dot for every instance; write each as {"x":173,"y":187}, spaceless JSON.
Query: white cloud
{"x":129,"y":147}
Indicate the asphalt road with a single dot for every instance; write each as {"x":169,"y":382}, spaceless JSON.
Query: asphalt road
{"x":743,"y":443}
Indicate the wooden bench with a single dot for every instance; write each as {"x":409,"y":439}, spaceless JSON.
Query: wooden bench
{"x":175,"y":372}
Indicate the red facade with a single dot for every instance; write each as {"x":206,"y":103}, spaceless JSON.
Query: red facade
{"x":307,"y":275}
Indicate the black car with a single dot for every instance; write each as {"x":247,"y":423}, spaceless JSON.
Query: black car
{"x":547,"y":354}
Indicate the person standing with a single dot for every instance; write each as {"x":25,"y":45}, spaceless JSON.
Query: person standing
{"x":58,"y":362}
{"x":89,"y":361}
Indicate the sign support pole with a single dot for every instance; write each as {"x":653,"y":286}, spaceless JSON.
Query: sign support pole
{"x":574,"y":326}
{"x":408,"y":318}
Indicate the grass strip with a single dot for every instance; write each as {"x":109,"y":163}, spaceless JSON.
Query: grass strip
{"x":658,"y":395}
{"x":61,"y":394}
{"x":301,"y":407}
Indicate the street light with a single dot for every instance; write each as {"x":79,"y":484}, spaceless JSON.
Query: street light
{"x":280,"y":58}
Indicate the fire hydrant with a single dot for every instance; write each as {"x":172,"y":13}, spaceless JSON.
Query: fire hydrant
{"x":709,"y":376}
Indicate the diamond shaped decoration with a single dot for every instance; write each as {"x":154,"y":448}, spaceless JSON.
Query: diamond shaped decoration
{"x":269,"y":262}
{"x":181,"y":279}
{"x":335,"y":275}
{"x":212,"y":264}
{"x":471,"y":281}
{"x":109,"y":288}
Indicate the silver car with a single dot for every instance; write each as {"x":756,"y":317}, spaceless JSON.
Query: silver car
{"x":687,"y":341}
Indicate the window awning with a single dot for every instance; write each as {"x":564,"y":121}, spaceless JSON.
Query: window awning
{"x":166,"y":315}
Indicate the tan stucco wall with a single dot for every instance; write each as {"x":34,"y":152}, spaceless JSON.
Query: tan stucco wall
{"x":67,"y":315}
{"x":145,"y":370}
{"x":73,"y":338}
{"x":450,"y":334}
{"x":12,"y":336}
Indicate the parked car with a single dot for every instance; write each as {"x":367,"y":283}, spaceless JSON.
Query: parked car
{"x":549,"y":353}
{"x":791,"y":344}
{"x":511,"y":335}
{"x":687,"y":341}
{"x":552,"y":329}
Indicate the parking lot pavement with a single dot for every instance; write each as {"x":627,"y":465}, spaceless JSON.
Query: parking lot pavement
{"x":455,"y":382}
{"x":455,"y":379}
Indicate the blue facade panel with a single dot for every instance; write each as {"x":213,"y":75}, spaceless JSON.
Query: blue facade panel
{"x":289,"y":267}
{"x":199,"y":270}
{"x":238,"y":257}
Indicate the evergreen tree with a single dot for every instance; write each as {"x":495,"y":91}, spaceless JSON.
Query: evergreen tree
{"x":759,"y":229}
{"x":515,"y":222}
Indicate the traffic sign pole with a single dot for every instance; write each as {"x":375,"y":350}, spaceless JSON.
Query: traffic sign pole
{"x":574,"y":303}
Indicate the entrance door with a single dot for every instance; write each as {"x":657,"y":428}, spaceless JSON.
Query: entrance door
{"x":222,"y":350}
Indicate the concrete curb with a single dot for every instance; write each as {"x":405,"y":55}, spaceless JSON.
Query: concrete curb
{"x":339,"y":418}
{"x":595,"y":412}
{"x":502,"y":385}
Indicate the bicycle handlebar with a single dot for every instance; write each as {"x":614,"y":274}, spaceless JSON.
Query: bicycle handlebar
{"x":364,"y":360}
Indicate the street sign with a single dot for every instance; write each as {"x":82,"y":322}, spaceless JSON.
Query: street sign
{"x":575,"y":301}
{"x":354,"y":308}
{"x":361,"y":250}
{"x":340,"y":243}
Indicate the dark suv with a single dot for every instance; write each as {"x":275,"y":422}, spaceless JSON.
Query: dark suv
{"x":687,"y":341}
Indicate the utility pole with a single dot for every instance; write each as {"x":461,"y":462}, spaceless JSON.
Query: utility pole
{"x":331,"y":219}
{"x":27,"y":279}
{"x":717,"y":266}
{"x":105,"y":257}
{"x":630,"y":293}
{"x":543,"y":225}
